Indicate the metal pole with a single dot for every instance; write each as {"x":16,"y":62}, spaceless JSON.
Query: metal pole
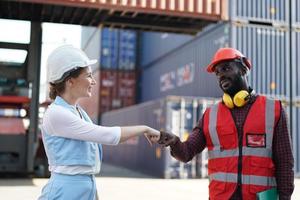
{"x":33,"y":73}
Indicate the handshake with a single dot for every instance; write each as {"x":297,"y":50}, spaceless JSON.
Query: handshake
{"x":163,"y":138}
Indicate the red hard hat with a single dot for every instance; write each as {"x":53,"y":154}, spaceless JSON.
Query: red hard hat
{"x":227,"y":54}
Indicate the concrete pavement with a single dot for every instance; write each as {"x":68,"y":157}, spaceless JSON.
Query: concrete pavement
{"x":118,"y":183}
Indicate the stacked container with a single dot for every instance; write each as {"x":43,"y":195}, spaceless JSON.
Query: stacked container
{"x":259,"y":29}
{"x":295,"y":76}
{"x":117,"y":89}
{"x":117,"y":66}
{"x":115,"y":74}
{"x":271,"y":12}
{"x":173,"y":114}
{"x":153,"y":45}
{"x":183,"y":70}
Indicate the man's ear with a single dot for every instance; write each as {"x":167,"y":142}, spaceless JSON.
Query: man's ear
{"x":243,"y":70}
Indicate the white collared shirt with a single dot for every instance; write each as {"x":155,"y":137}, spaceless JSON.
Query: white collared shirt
{"x":59,"y":121}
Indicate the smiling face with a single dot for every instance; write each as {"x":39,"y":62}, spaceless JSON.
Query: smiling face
{"x":231,"y":76}
{"x":82,"y":85}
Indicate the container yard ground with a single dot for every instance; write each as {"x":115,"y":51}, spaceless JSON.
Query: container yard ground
{"x":119,"y":183}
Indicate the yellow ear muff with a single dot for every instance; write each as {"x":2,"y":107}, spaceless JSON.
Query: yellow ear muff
{"x":227,"y":100}
{"x":241,"y":98}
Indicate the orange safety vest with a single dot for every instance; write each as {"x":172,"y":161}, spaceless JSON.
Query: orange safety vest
{"x":247,"y":162}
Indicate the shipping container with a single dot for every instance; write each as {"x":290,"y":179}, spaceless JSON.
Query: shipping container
{"x":271,"y":12}
{"x":295,"y":75}
{"x":295,"y":13}
{"x":183,"y":70}
{"x":295,"y":136}
{"x":108,"y":99}
{"x":109,"y":48}
{"x":127,"y":50}
{"x":114,"y":48}
{"x":154,"y":45}
{"x":174,"y":114}
{"x":114,"y":89}
{"x":127,"y":87}
{"x":118,"y":49}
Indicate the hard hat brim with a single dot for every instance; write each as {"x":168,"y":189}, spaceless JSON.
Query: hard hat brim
{"x":91,"y":62}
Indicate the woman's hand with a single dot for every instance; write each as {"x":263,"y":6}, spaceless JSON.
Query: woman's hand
{"x":152,"y":135}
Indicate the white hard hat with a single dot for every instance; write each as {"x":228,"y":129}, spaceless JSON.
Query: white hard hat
{"x":63,"y":59}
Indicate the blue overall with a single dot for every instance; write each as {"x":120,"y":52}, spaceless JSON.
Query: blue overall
{"x":63,"y":152}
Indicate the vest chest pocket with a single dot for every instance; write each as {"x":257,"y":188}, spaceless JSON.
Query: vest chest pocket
{"x":228,"y":139}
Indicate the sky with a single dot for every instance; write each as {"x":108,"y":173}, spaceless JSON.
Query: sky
{"x":54,"y":35}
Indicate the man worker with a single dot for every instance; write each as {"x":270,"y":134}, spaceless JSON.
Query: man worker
{"x":249,"y":146}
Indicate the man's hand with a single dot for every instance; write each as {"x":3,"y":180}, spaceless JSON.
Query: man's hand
{"x":167,"y":139}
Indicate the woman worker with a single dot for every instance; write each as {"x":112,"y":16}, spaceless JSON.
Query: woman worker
{"x":72,"y":142}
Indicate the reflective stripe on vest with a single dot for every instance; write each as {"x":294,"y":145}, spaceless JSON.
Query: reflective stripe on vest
{"x":212,"y":127}
{"x":246,"y":179}
{"x":270,"y":117}
{"x":235,"y":152}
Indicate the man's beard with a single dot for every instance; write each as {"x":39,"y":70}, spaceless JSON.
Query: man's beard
{"x":236,"y":86}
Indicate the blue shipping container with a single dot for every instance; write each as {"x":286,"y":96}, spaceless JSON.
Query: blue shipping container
{"x":154,"y":45}
{"x":296,"y":65}
{"x":183,"y":71}
{"x":109,"y":48}
{"x":127,"y":50}
{"x":295,"y":13}
{"x":118,"y":49}
{"x":275,"y":12}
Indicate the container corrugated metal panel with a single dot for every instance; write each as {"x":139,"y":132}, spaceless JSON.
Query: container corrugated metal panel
{"x":275,"y":12}
{"x":296,"y":137}
{"x":127,"y":50}
{"x":296,"y":65}
{"x":117,"y":89}
{"x":109,"y":48}
{"x":268,"y":49}
{"x":108,"y":99}
{"x":265,"y":46}
{"x":295,"y":13}
{"x":154,"y":45}
{"x":127,"y":87}
{"x":176,"y":114}
{"x":182,"y":72}
{"x":118,"y":49}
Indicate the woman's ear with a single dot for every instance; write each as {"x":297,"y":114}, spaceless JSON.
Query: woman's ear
{"x":69,"y":82}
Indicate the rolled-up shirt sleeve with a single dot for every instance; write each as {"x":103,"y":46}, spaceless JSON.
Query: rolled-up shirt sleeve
{"x":63,"y":123}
